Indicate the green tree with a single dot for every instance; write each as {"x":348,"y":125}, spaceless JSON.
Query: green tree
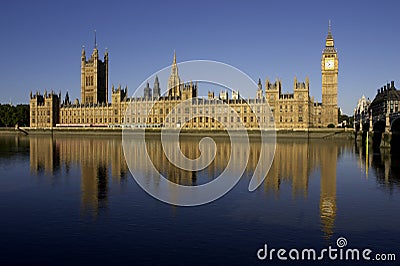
{"x":7,"y":115}
{"x":12,"y":115}
{"x":22,"y":115}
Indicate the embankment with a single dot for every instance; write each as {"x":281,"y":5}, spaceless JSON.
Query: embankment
{"x":315,"y":133}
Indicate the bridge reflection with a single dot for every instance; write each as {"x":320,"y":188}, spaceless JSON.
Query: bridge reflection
{"x":385,"y":165}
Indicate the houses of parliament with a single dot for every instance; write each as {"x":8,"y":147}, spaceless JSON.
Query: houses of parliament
{"x":296,"y":110}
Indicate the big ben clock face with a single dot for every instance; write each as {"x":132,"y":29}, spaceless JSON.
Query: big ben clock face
{"x":329,"y":64}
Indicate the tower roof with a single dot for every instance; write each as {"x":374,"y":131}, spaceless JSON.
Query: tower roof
{"x":174,"y":67}
{"x":329,"y":31}
{"x":95,"y":40}
{"x":174,"y":80}
{"x":329,"y":42}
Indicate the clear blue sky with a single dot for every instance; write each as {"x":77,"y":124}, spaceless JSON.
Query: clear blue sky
{"x":42,"y":40}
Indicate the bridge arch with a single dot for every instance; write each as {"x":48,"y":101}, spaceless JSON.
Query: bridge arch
{"x":395,"y":141}
{"x":395,"y":125}
{"x":379,"y":126}
{"x":365,"y":126}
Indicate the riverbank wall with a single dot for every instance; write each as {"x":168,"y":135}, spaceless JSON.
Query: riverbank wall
{"x":314,"y":133}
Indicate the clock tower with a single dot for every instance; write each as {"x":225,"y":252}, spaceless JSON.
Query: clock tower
{"x":329,"y":69}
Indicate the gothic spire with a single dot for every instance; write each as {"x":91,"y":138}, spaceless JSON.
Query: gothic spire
{"x":156,"y":88}
{"x":174,"y":67}
{"x":174,"y":80}
{"x":329,"y":42}
{"x":329,"y":30}
{"x":95,"y":39}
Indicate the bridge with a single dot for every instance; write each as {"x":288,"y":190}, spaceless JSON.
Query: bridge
{"x":380,"y":118}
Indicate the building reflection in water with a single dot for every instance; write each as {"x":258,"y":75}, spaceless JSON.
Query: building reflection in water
{"x":44,"y":155}
{"x":385,"y":164}
{"x":101,"y":159}
{"x":295,"y":161}
{"x":93,"y":156}
{"x":327,"y":201}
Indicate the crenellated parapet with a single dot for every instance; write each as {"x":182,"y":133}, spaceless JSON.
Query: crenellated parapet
{"x":119,"y":94}
{"x":44,"y":109}
{"x":277,"y":86}
{"x":301,"y":85}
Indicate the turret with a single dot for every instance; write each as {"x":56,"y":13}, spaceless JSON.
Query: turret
{"x":156,"y":88}
{"x":106,"y":55}
{"x":66,"y":100}
{"x":147,"y":91}
{"x":259,"y":90}
{"x":83,"y":56}
{"x":235,"y":95}
{"x":307,"y":83}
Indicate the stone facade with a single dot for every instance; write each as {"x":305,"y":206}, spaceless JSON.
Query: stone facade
{"x":100,"y":114}
{"x":295,"y":110}
{"x":44,"y":109}
{"x":330,"y":69}
{"x":291,"y":110}
{"x":384,"y":110}
{"x":94,"y":78}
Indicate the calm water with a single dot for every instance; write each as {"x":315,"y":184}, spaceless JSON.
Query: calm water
{"x":68,"y":201}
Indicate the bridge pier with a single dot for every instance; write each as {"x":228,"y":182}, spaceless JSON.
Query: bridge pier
{"x":381,"y":140}
{"x":361,"y":137}
{"x":377,"y":140}
{"x":395,"y":143}
{"x":386,"y":139}
{"x":371,"y":127}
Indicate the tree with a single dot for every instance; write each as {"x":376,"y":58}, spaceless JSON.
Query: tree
{"x":22,"y":115}
{"x":11,"y":115}
{"x":349,"y":120}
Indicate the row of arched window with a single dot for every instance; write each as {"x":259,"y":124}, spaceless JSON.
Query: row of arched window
{"x":89,"y":81}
